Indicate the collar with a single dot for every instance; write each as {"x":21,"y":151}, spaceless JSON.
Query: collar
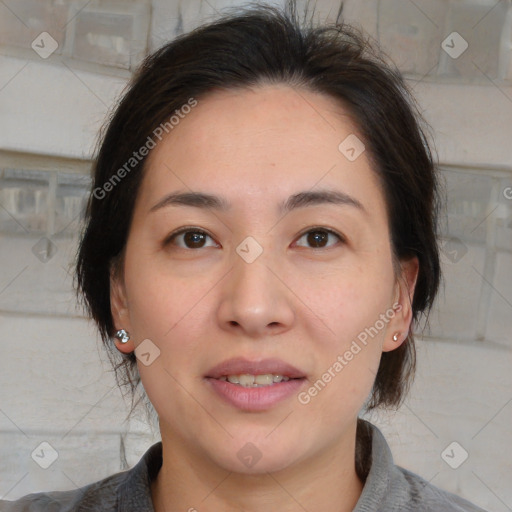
{"x":134,"y":494}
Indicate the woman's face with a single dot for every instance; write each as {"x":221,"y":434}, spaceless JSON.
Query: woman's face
{"x":288,"y":272}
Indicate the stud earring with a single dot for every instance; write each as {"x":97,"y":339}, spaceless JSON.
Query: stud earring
{"x":122,"y":336}
{"x":395,"y":336}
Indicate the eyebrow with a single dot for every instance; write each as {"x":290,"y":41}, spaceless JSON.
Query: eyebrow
{"x":299,"y":200}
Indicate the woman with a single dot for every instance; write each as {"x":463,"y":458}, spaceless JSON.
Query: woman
{"x":260,"y":241}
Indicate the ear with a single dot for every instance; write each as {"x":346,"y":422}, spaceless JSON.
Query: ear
{"x":119,"y":309}
{"x":400,"y":324}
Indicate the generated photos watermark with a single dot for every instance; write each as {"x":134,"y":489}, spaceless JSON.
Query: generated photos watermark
{"x":143,"y":151}
{"x":343,"y":360}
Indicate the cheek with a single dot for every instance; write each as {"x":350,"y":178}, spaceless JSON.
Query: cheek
{"x":350,"y":304}
{"x":350,"y":299}
{"x":161,"y":299}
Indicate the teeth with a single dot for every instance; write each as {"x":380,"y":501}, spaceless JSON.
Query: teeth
{"x":245,"y":380}
{"x":253,"y":381}
{"x":264,"y":380}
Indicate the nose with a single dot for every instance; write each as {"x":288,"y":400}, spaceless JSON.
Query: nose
{"x":255,"y":300}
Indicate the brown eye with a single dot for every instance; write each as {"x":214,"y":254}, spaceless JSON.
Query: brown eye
{"x":190,"y":239}
{"x":319,"y":238}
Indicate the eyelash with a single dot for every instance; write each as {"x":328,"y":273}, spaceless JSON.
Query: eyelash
{"x":192,"y":229}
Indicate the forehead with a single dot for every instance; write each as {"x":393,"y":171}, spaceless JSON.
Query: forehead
{"x":255,"y":143}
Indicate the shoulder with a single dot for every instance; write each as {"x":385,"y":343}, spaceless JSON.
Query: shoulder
{"x":101,"y":495}
{"x":128,"y":491}
{"x":391,"y":488}
{"x":425,"y":497}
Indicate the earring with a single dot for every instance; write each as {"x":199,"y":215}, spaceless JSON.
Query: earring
{"x":395,"y":336}
{"x":122,"y":336}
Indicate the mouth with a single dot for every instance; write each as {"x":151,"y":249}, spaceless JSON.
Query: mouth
{"x":255,"y":373}
{"x":247,"y":380}
{"x":255,"y":385}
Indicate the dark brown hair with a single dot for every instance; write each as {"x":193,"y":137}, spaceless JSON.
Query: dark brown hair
{"x":254,"y":46}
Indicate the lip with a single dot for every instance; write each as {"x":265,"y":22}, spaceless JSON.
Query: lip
{"x":255,"y":399}
{"x":258,"y":398}
{"x":240,"y":365}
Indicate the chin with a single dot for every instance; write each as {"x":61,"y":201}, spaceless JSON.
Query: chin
{"x":259,"y":456}
{"x":263,"y":466}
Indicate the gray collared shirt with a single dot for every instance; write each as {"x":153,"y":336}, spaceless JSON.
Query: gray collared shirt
{"x":388,"y":488}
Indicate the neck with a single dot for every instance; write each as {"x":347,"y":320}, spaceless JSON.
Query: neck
{"x":328,"y":482}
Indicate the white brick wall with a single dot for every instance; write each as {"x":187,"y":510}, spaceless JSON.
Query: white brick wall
{"x":54,"y":386}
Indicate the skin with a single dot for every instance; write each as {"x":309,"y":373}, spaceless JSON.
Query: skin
{"x":296,"y":302}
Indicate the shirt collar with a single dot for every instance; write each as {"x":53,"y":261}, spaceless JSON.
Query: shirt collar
{"x":134,"y":494}
{"x":381,"y":469}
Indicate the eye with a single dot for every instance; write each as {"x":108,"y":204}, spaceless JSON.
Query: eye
{"x":319,"y":237}
{"x":189,"y":238}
